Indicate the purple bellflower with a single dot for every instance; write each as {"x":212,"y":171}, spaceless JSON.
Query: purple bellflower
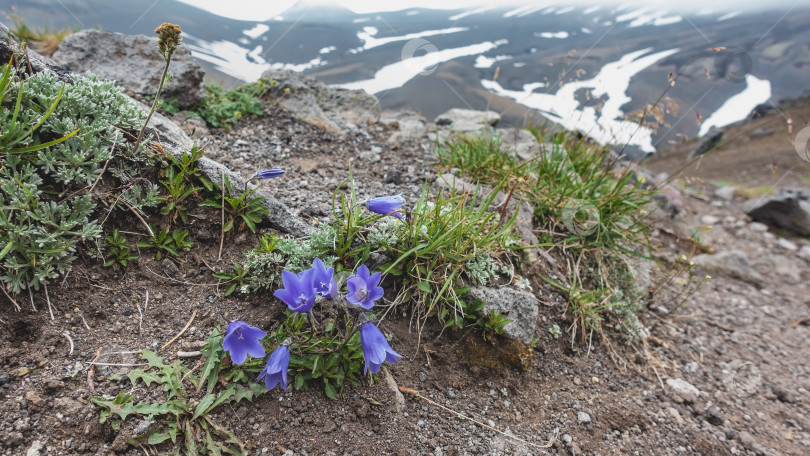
{"x":241,"y":340}
{"x":386,"y":205}
{"x":364,"y":288}
{"x":275,"y":371}
{"x":323,"y":279}
{"x":269,"y":173}
{"x":298,"y":292}
{"x":375,"y":348}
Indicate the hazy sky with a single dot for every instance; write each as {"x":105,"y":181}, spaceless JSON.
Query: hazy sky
{"x":262,"y":10}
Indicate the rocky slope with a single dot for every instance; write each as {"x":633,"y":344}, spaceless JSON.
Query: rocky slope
{"x":723,"y":372}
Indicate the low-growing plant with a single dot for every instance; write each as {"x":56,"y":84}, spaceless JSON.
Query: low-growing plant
{"x":179,"y":185}
{"x":326,"y":333}
{"x":435,"y":249}
{"x":222,"y":108}
{"x":492,"y":323}
{"x":118,"y":251}
{"x":243,"y":206}
{"x":182,"y":417}
{"x":162,"y":242}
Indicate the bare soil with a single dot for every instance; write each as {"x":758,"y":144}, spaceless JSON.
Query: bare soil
{"x":743,"y":348}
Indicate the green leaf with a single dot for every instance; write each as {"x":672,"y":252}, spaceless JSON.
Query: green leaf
{"x":330,"y":391}
{"x":299,"y":381}
{"x":204,"y":404}
{"x":213,"y":353}
{"x":157,"y":437}
{"x":424,"y":286}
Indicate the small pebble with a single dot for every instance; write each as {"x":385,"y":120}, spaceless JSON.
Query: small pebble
{"x":583,"y":417}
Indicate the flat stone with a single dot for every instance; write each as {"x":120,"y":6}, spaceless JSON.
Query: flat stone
{"x":733,"y":263}
{"x":709,"y":220}
{"x":787,"y":245}
{"x":683,"y":389}
{"x":725,"y":193}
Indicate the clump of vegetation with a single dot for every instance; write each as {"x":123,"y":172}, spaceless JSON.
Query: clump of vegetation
{"x":43,"y":40}
{"x":222,"y":108}
{"x":588,"y":203}
{"x":55,"y":140}
{"x":180,"y":418}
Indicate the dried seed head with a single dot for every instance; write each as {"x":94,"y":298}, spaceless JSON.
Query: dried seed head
{"x":168,"y":37}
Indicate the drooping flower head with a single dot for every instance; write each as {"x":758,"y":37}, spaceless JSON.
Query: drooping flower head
{"x":298,"y":292}
{"x":364,"y":288}
{"x":168,"y":38}
{"x":241,"y":340}
{"x":386,"y":205}
{"x":323,"y":279}
{"x":276,"y":369}
{"x":269,"y":173}
{"x":375,"y":348}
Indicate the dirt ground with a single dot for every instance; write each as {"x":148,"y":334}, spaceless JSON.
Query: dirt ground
{"x":743,"y":348}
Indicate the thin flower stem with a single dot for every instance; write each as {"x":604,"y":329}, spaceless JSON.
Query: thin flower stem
{"x":157,"y":100}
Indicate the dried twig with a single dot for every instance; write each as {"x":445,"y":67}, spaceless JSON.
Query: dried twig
{"x":189,"y":354}
{"x":91,"y":372}
{"x":66,"y":333}
{"x":48,"y":300}
{"x":17,"y":307}
{"x":193,"y":314}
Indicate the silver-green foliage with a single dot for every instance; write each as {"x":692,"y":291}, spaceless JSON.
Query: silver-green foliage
{"x":43,"y":213}
{"x":96,"y":108}
{"x":263,"y":265}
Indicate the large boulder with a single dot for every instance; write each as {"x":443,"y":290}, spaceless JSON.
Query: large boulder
{"x":788,"y":209}
{"x":334,"y":109}
{"x":134,"y":63}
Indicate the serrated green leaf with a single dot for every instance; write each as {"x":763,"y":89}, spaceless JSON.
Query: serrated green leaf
{"x":424,"y":286}
{"x":213,"y":353}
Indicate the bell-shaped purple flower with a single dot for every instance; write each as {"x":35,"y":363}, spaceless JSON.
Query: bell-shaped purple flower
{"x":269,"y":173}
{"x":276,"y":369}
{"x":375,"y":348}
{"x":241,"y":340}
{"x":364,"y":288}
{"x":298,"y":292}
{"x":386,"y":205}
{"x":323,"y":279}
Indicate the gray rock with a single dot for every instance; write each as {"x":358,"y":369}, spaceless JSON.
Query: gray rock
{"x":410,"y":125}
{"x":333,"y":109}
{"x":788,"y":208}
{"x":583,"y":417}
{"x":683,"y":389}
{"x":520,"y":142}
{"x":804,"y":253}
{"x":707,"y":143}
{"x":733,"y":263}
{"x":518,"y":306}
{"x":4,"y":379}
{"x":787,"y":245}
{"x":725,"y":193}
{"x":134,"y":63}
{"x":781,"y":266}
{"x":467,"y":120}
